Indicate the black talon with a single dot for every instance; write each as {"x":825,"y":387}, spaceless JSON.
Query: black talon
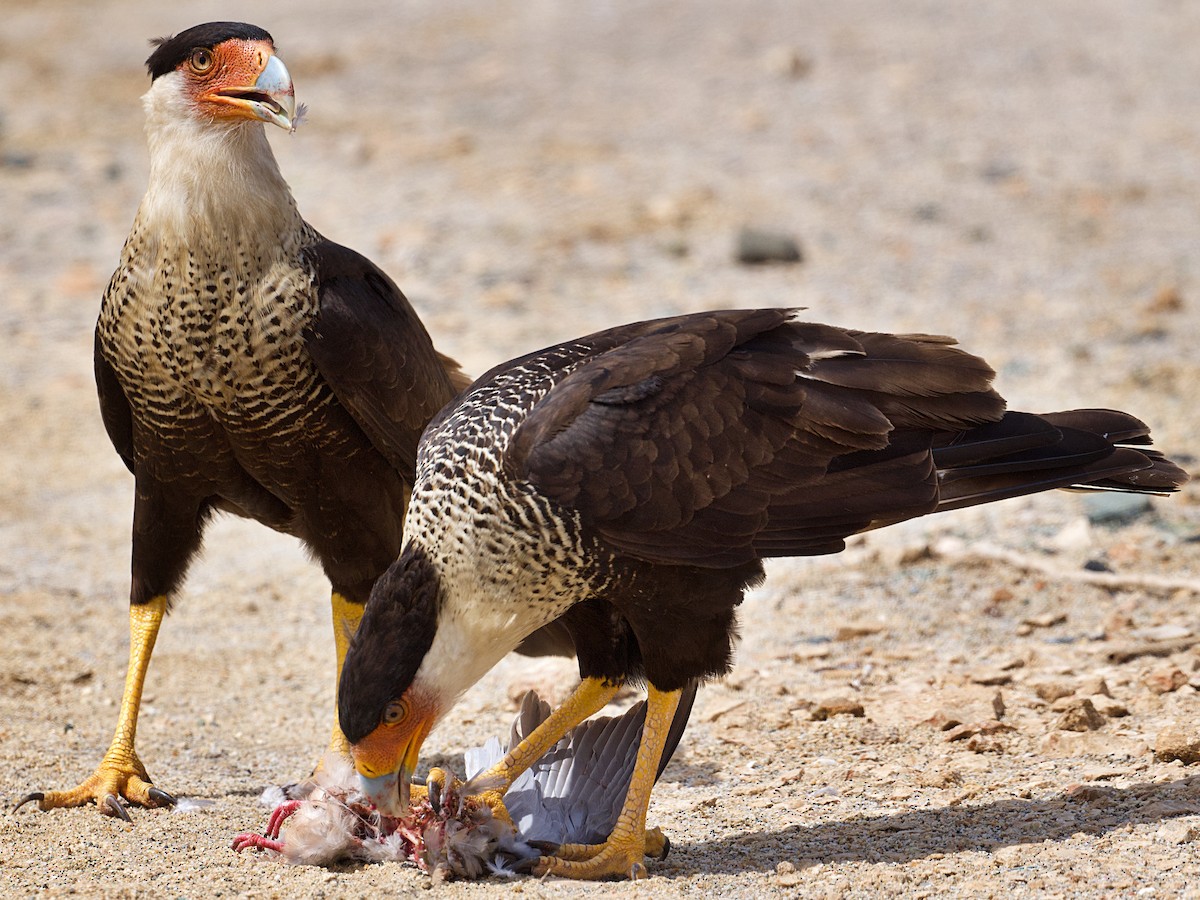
{"x":546,"y":848}
{"x":435,"y":796}
{"x":112,"y":806}
{"x":39,"y":796}
{"x":161,"y":797}
{"x":666,"y":850}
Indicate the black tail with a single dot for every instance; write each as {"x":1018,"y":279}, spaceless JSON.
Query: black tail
{"x":1022,"y":453}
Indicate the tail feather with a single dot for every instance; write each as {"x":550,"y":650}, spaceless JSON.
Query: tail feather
{"x":1085,"y":449}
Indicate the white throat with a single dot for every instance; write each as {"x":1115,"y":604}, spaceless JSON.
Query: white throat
{"x":209,"y":177}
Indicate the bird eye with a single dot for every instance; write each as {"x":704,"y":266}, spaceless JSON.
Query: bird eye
{"x":201,"y":61}
{"x":395,"y":713}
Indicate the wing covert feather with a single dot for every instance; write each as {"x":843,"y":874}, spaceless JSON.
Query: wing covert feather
{"x":709,"y":439}
{"x":372,"y":349}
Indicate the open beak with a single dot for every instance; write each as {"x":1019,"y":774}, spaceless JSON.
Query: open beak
{"x":271,"y":98}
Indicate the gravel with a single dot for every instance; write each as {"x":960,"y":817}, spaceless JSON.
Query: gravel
{"x":1023,"y":176}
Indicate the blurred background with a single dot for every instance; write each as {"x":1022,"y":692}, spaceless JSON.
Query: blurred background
{"x":1023,"y":176}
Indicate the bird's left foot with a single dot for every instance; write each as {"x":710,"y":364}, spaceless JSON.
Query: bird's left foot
{"x":618,"y":857}
{"x":119,"y":775}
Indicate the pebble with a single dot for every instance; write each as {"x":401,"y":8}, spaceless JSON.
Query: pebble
{"x":1053,"y":690}
{"x":1109,"y":708}
{"x":1080,"y":715}
{"x":1179,"y":831}
{"x":991,"y":677}
{"x":838,"y":706}
{"x":1108,"y":508}
{"x":971,"y":729}
{"x":1094,"y":686}
{"x":1164,"y":681}
{"x":756,"y":247}
{"x":1177,"y":743}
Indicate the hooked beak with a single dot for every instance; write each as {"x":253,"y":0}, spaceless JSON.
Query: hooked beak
{"x":390,"y":792}
{"x":271,"y":98}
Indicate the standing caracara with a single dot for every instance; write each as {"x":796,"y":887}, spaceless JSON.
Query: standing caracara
{"x":628,"y":485}
{"x":246,"y":364}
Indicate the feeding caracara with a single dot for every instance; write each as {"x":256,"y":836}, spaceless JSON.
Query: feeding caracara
{"x":628,"y":485}
{"x":246,"y":364}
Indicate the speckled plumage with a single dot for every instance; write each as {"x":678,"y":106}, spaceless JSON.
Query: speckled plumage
{"x":246,"y":364}
{"x":625,"y":487}
{"x":219,"y":382}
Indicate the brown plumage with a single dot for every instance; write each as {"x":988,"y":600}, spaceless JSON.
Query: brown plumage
{"x":246,"y":364}
{"x":626,"y":487}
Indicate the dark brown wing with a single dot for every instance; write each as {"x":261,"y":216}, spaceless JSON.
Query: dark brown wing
{"x":713,"y":439}
{"x":114,"y":407}
{"x":372,"y":349}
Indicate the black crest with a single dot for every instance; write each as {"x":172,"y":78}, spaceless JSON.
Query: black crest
{"x":171,"y":51}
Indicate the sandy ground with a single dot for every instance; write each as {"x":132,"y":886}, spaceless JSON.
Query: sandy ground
{"x":1023,"y":176}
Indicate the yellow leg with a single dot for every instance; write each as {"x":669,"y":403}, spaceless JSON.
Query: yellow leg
{"x":346,"y":618}
{"x":623,"y":854}
{"x":491,"y":785}
{"x":121,"y":773}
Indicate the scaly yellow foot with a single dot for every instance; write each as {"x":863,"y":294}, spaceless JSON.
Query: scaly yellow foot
{"x":616,"y":858}
{"x":120,"y":775}
{"x":656,"y":846}
{"x":624,"y":853}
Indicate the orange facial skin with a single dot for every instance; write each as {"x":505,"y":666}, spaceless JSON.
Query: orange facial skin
{"x":241,"y":79}
{"x":387,"y":757}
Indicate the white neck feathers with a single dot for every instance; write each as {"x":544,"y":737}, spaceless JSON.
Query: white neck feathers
{"x":209,"y":177}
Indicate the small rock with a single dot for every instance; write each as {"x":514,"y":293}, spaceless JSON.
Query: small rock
{"x":1080,"y":715}
{"x":785,"y":868}
{"x":1089,"y":793}
{"x":1164,"y":681}
{"x":971,"y":729}
{"x":1111,"y":508}
{"x":756,"y":247}
{"x":939,"y":778}
{"x":1108,"y":707}
{"x":1180,"y":831}
{"x":1045,"y":620}
{"x":850,"y":632}
{"x":995,"y":606}
{"x":944,"y":721}
{"x":991,"y":677}
{"x":1125,"y":652}
{"x":839,"y":706}
{"x":787,"y":62}
{"x":985,"y":744}
{"x":1177,"y":743}
{"x":1053,"y":690}
{"x":998,"y":708}
{"x":1077,"y":536}
{"x":1168,"y":632}
{"x":1166,"y":299}
{"x":927,"y":212}
{"x":1093,"y":686}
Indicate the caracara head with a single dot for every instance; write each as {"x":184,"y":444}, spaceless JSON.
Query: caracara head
{"x":385,"y":708}
{"x":226,"y":72}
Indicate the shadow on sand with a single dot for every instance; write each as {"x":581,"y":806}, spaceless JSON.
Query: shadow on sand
{"x":904,"y":837}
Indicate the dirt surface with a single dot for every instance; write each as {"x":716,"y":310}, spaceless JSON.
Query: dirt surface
{"x":902,"y":718}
